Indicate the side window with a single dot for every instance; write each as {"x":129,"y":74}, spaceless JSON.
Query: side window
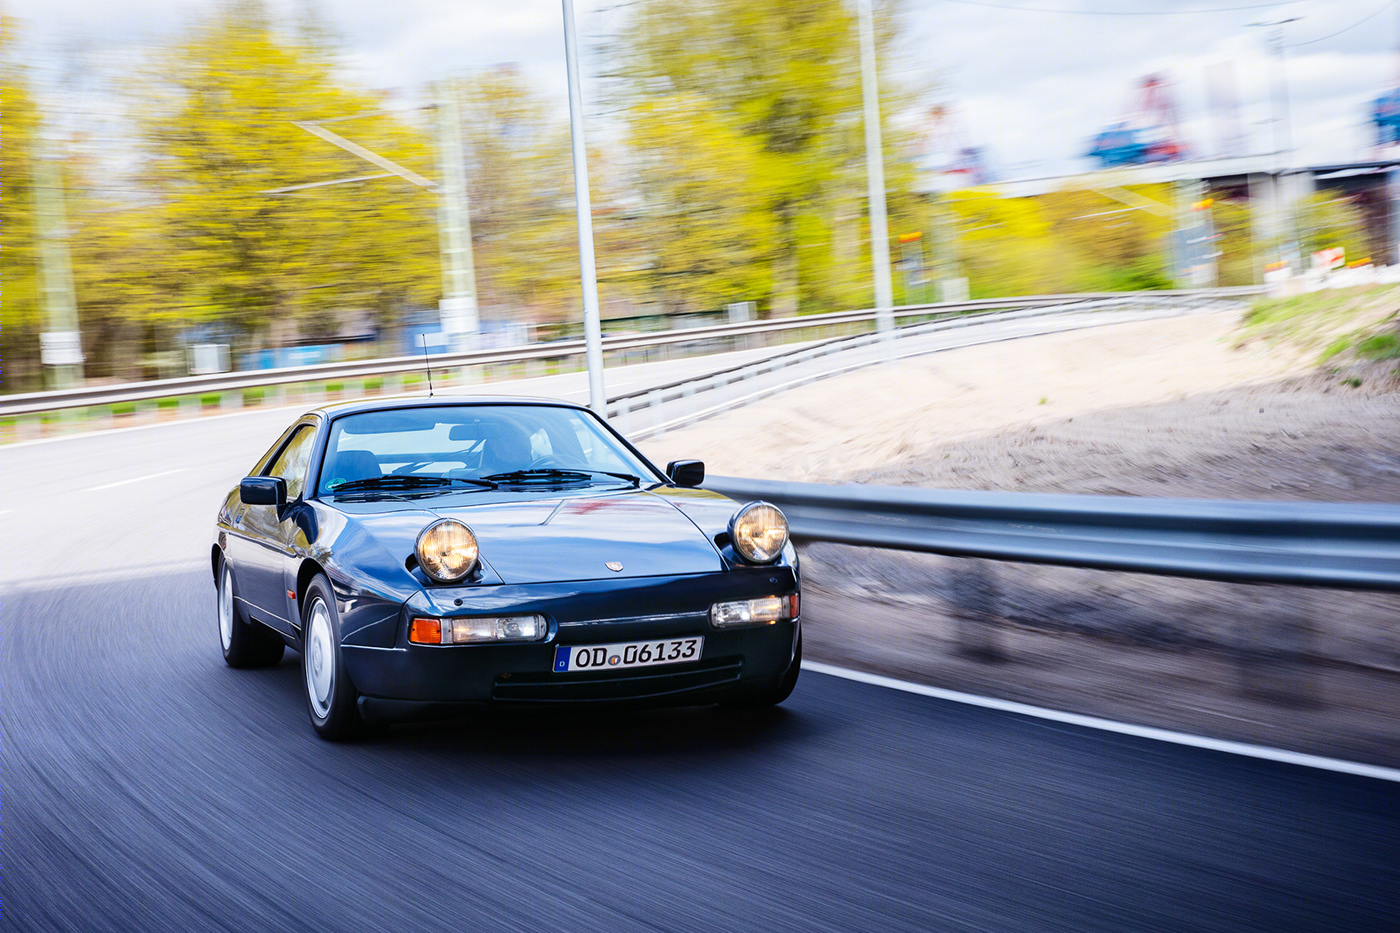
{"x":291,"y":462}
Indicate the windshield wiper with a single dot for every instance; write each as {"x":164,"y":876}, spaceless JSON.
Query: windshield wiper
{"x":408,"y":481}
{"x":555,"y":473}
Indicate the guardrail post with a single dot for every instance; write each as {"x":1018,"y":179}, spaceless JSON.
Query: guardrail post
{"x":232,"y":400}
{"x":1276,"y":660}
{"x":974,"y":592}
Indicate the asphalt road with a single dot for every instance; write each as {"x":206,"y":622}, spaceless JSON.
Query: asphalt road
{"x":150,"y":788}
{"x":147,"y":787}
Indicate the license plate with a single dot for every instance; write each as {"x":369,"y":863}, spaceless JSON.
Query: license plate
{"x":569,"y":659}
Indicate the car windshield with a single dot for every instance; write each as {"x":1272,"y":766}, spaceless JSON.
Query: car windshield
{"x":434,"y":449}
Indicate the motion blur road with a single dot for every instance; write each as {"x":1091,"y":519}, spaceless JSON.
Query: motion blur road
{"x":147,"y":787}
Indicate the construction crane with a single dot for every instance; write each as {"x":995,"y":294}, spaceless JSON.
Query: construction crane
{"x":1149,"y":134}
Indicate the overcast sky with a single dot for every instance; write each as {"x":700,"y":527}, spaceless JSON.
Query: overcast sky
{"x":1031,"y":80}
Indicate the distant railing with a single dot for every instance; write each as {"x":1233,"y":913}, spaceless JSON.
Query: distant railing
{"x":656,"y":409}
{"x":715,"y":336}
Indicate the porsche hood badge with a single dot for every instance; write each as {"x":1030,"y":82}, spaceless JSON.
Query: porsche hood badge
{"x":614,"y":565}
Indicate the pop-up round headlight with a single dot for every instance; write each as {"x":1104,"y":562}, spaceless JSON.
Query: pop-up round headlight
{"x":759,"y":532}
{"x":447,"y":550}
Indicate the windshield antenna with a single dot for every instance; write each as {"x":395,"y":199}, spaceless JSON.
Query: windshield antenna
{"x":426,"y":365}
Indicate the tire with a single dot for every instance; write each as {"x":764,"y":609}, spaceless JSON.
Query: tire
{"x":330,"y":696}
{"x":774,"y":693}
{"x":245,"y":643}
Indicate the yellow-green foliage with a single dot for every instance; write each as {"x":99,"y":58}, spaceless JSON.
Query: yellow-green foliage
{"x":521,"y":186}
{"x":1326,"y":221}
{"x":220,"y":126}
{"x":713,"y":194}
{"x":755,"y":105}
{"x":18,"y":250}
{"x":1065,"y":241}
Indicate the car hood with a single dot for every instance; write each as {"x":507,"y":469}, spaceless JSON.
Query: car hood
{"x":574,"y":535}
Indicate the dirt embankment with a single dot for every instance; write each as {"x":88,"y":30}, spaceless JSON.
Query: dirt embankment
{"x":1165,"y":408}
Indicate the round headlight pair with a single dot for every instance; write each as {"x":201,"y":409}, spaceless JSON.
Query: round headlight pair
{"x":759,"y":532}
{"x":447,"y":550}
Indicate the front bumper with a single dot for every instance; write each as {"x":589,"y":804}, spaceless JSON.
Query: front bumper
{"x":401,"y":679}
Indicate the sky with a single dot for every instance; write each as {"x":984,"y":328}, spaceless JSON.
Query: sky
{"x":1031,"y":81}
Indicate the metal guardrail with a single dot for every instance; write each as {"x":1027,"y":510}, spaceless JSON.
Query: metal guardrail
{"x":1347,"y":545}
{"x":56,"y":400}
{"x":656,"y":409}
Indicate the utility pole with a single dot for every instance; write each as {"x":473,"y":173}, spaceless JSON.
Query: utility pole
{"x":1283,"y":142}
{"x":61,"y":345}
{"x":592,"y":325}
{"x":875,"y":171}
{"x":458,"y":306}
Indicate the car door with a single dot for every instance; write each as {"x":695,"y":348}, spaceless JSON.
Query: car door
{"x":266,"y":535}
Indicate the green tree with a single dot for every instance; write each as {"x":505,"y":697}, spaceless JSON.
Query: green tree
{"x":254,"y":244}
{"x":1326,"y":221}
{"x":1238,"y":263}
{"x":1116,"y":247}
{"x":719,"y":239}
{"x":1005,"y":245}
{"x":520,"y":185}
{"x":19,"y":271}
{"x":785,"y":76}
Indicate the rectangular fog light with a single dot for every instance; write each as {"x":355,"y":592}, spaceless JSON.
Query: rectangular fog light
{"x":498,"y":628}
{"x":763,"y":611}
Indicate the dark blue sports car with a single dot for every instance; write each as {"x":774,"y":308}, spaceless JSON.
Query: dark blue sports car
{"x":427,"y":556}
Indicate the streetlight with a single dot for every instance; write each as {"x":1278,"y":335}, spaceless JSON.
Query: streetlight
{"x":1283,"y":141}
{"x":592,"y":327}
{"x":875,"y":171}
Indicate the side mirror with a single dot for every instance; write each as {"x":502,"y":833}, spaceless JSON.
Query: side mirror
{"x":686,"y":472}
{"x":263,"y":490}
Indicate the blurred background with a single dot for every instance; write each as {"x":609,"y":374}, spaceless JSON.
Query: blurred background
{"x":199,"y":187}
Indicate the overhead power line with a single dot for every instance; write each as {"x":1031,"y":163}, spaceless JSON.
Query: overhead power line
{"x":1064,"y":12}
{"x":1332,"y":35}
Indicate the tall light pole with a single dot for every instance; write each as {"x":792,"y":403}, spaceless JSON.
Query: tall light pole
{"x":61,"y":343}
{"x":458,"y":308}
{"x":875,"y":171}
{"x":592,"y":326}
{"x":1283,"y":141}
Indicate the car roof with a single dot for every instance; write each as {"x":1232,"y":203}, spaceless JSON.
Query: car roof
{"x":340,"y":409}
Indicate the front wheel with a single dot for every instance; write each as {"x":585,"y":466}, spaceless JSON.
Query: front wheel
{"x":245,"y":643}
{"x":330,"y":697}
{"x":775,"y":693}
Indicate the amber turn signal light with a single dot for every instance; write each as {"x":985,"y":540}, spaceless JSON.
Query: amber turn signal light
{"x":425,"y":631}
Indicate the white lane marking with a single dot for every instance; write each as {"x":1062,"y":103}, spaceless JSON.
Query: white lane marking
{"x":139,"y":479}
{"x":1108,"y":725}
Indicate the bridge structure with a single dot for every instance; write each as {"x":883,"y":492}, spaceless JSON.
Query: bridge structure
{"x":1266,"y":180}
